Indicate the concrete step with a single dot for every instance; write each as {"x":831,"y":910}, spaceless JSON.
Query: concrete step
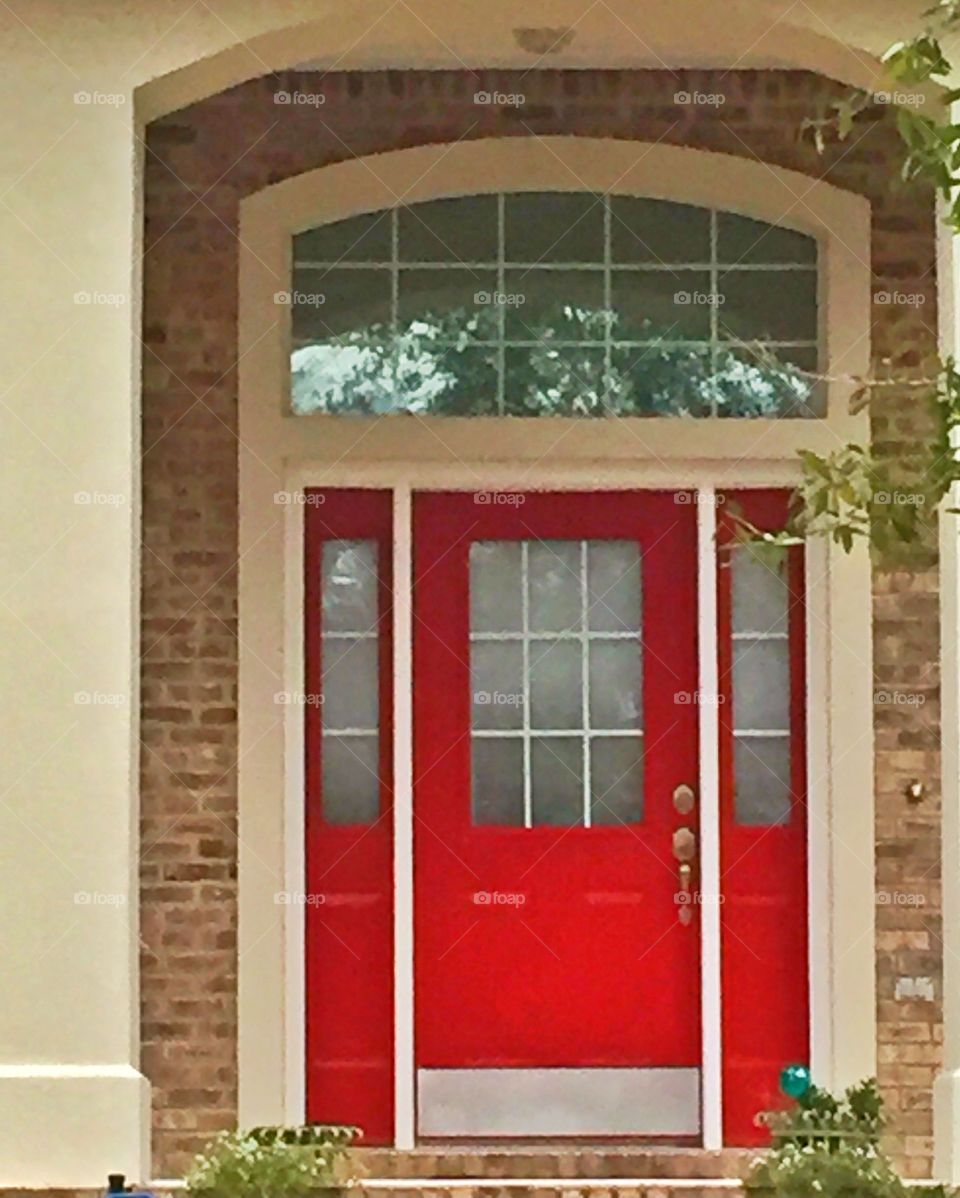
{"x":541,"y":1163}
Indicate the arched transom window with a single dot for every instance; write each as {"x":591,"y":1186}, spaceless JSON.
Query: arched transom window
{"x":555,"y":304}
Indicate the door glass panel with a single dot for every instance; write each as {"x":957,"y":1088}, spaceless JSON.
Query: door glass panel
{"x":556,"y":764}
{"x":350,"y":779}
{"x":498,"y":780}
{"x":498,"y":695}
{"x":495,"y":587}
{"x":616,"y":779}
{"x":554,"y":585}
{"x":555,"y":684}
{"x":613,"y":585}
{"x":615,"y":684}
{"x":556,"y":676}
{"x":762,"y":769}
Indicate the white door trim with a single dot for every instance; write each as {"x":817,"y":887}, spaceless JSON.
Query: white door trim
{"x":709,"y":787}
{"x":403,"y":971}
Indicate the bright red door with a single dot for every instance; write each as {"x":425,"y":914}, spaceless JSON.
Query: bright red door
{"x":349,"y":837}
{"x":555,"y":679}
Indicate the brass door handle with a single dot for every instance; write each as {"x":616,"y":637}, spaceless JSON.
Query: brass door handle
{"x":684,"y":851}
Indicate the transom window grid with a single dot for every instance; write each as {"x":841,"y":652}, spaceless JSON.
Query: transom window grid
{"x":582,"y":634}
{"x":720,"y":340}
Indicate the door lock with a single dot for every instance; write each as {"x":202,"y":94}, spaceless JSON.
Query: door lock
{"x":684,"y":800}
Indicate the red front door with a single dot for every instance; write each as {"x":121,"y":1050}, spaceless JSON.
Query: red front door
{"x":555,"y":718}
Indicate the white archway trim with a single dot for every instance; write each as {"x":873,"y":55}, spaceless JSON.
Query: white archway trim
{"x":698,"y":34}
{"x":283,"y":453}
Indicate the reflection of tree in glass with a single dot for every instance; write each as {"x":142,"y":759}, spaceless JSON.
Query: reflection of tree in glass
{"x":448,"y":365}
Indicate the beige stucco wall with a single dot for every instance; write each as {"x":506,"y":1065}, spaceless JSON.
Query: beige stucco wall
{"x":69,"y":201}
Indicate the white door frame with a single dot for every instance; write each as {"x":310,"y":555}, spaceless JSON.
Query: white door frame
{"x":281,"y":453}
{"x":828,"y":1008}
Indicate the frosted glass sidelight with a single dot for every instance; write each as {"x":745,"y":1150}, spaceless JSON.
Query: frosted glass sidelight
{"x":350,"y":779}
{"x":349,"y":586}
{"x":761,"y":684}
{"x":350,"y":683}
{"x":760,"y":595}
{"x":762,"y":769}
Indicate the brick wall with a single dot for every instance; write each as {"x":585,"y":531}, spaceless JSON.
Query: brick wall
{"x":200,"y":163}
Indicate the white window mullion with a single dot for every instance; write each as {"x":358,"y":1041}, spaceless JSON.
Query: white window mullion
{"x":403,"y":999}
{"x":709,"y":785}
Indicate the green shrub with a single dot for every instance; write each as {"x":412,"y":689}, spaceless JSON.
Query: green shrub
{"x":829,"y":1147}
{"x":272,"y":1162}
